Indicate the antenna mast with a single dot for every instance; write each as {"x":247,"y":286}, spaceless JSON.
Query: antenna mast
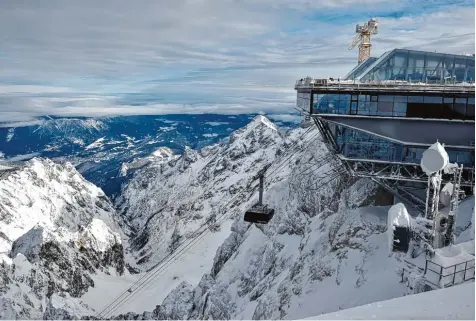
{"x":363,"y":38}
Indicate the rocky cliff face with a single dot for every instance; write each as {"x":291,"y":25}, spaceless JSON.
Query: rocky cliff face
{"x":56,"y":230}
{"x":326,"y":243}
{"x":166,"y":203}
{"x":305,"y":262}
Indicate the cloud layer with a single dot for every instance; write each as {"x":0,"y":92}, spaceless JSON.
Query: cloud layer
{"x":228,"y":56}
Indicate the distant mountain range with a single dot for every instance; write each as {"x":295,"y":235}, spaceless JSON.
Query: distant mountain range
{"x":99,"y":147}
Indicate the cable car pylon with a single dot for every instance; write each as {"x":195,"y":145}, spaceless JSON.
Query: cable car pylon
{"x":260,"y":213}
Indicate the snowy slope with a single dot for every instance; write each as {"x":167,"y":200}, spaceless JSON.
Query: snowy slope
{"x":189,"y":267}
{"x":56,"y":230}
{"x":454,"y":303}
{"x":323,"y":251}
{"x":320,"y":246}
{"x":165,"y":202}
{"x":301,"y":265}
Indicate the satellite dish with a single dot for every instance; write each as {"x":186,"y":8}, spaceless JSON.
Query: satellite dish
{"x":434,"y":159}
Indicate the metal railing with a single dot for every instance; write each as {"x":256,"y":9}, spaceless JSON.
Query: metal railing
{"x":332,"y":84}
{"x":438,"y":272}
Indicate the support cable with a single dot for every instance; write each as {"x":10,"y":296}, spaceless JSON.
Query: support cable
{"x":150,"y":274}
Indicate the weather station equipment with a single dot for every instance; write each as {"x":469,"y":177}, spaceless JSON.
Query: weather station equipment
{"x":436,"y":228}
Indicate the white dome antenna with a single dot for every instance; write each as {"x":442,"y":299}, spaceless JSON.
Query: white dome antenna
{"x":434,"y":159}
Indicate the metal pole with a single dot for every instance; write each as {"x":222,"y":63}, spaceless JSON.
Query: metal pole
{"x":441,"y":274}
{"x":427,"y":207}
{"x":261,"y":187}
{"x":449,"y":235}
{"x":465,"y":268}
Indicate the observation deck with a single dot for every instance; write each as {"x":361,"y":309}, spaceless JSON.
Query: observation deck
{"x":380,"y":127}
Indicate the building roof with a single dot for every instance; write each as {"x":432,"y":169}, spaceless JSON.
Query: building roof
{"x":415,"y":65}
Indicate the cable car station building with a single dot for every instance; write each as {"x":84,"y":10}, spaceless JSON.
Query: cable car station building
{"x":387,"y":111}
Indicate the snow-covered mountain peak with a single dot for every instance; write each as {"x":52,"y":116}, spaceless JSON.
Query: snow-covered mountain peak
{"x":159,"y":157}
{"x":64,"y":226}
{"x":163,"y":153}
{"x":193,"y":187}
{"x":190,"y":155}
{"x":52,"y":196}
{"x":260,"y":120}
{"x":260,"y":128}
{"x":70,"y":126}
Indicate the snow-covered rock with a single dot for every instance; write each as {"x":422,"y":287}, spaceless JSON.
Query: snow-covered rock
{"x":324,"y":250}
{"x":160,"y":156}
{"x":56,"y":231}
{"x":334,"y":260}
{"x":52,"y":195}
{"x":165,"y":203}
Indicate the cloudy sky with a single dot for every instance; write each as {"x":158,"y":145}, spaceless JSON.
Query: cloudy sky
{"x":107,"y":57}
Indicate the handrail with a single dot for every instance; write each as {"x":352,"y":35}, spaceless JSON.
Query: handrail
{"x":311,"y":83}
{"x":441,"y":268}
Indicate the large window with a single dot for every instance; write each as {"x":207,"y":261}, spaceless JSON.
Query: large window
{"x":331,"y":103}
{"x":437,"y":107}
{"x":421,"y":66}
{"x":358,"y":145}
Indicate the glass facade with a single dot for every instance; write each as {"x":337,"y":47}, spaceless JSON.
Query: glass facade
{"x":398,"y":64}
{"x":360,"y":68}
{"x":358,"y":145}
{"x":436,"y":107}
{"x":417,"y":66}
{"x":303,"y":101}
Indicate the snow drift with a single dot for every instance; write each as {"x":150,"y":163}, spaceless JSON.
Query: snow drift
{"x":455,"y":303}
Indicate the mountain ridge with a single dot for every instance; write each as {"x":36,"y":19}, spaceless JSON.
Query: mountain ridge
{"x":324,"y":250}
{"x":124,"y":139}
{"x":57,"y":229}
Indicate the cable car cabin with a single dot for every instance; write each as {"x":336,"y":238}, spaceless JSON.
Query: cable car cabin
{"x":259,"y":214}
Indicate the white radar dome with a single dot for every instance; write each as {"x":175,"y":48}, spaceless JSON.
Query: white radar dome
{"x":434,"y":159}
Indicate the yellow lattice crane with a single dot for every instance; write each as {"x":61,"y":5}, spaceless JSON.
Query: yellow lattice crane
{"x":363,"y":38}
